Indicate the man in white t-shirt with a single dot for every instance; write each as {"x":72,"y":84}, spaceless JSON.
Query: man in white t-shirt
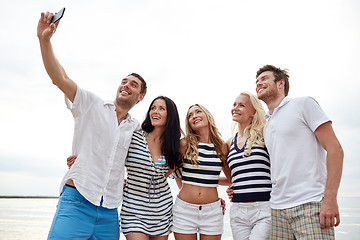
{"x":306,"y":161}
{"x":91,"y":190}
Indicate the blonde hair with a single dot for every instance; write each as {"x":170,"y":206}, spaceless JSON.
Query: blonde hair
{"x":254,"y":130}
{"x":192,"y":138}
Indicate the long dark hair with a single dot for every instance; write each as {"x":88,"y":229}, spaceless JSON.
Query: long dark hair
{"x":170,"y":147}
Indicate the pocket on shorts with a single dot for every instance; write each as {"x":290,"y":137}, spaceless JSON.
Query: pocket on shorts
{"x":177,"y":208}
{"x":221,"y":209}
{"x":265,"y":212}
{"x":233,"y":212}
{"x":237,"y":213}
{"x":70,"y":199}
{"x":215,"y":210}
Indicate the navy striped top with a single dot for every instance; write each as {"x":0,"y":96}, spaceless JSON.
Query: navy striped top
{"x":206,"y":173}
{"x":250,"y":174}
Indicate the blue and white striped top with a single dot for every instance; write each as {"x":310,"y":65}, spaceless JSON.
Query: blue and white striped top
{"x":206,"y":173}
{"x":250,"y":174}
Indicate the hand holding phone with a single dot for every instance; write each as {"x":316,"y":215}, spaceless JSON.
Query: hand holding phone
{"x":58,"y":16}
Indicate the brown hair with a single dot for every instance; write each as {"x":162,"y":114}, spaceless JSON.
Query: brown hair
{"x":143,"y":83}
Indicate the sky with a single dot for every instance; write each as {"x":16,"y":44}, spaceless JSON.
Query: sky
{"x":193,"y":51}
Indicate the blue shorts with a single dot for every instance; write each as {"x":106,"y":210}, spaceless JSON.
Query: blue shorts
{"x":77,"y":218}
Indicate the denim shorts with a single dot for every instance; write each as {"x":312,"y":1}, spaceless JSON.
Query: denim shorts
{"x":77,"y":218}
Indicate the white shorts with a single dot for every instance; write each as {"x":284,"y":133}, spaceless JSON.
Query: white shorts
{"x":189,"y":218}
{"x":250,"y":220}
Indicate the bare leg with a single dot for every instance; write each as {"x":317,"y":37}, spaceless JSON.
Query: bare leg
{"x":181,"y":236}
{"x":141,"y":236}
{"x":137,"y":236}
{"x":159,"y":237}
{"x":210,"y":237}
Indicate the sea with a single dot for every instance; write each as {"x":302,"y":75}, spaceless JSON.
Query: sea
{"x":30,"y":218}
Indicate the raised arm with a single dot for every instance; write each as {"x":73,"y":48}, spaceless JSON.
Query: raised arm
{"x":329,"y":212}
{"x":56,"y":72}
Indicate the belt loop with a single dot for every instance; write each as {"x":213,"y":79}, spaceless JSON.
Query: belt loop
{"x":200,"y":207}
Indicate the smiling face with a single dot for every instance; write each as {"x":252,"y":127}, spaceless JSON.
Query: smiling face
{"x":266,"y":87}
{"x":197,"y":118}
{"x":242,"y":111}
{"x":128,"y":93}
{"x":158,"y":113}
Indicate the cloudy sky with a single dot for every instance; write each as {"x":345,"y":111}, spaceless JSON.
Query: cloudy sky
{"x":193,"y":51}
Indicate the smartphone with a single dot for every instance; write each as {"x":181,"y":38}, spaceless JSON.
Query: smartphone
{"x":58,"y":16}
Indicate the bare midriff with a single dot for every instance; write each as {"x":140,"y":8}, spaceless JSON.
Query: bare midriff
{"x":197,"y":194}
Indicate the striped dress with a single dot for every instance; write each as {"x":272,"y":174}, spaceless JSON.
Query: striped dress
{"x":147,"y":201}
{"x":250,"y":174}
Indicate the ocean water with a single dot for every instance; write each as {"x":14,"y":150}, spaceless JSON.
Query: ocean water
{"x":30,"y":218}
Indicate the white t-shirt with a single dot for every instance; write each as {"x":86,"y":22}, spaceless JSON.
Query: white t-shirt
{"x":101,"y":146}
{"x":298,"y":161}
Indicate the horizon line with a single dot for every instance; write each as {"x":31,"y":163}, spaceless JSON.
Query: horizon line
{"x":16,"y":196}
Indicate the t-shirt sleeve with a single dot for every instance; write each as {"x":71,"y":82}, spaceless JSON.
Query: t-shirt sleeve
{"x":82,"y":102}
{"x":313,"y":113}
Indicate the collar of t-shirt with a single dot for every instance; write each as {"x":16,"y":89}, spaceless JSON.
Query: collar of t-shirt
{"x":283,"y":102}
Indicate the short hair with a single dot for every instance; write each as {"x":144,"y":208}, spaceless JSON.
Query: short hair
{"x":170,"y":146}
{"x":143,"y":83}
{"x":280,"y":74}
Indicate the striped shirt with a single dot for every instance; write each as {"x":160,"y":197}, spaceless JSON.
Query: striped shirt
{"x":250,"y":174}
{"x":147,"y":202}
{"x":206,"y":173}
